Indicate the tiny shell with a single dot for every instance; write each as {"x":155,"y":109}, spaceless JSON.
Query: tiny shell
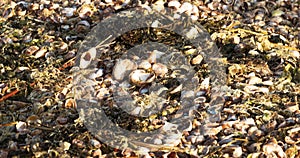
{"x":145,"y":65}
{"x":160,"y":69}
{"x":254,"y":80}
{"x":62,"y":120}
{"x":174,"y":4}
{"x":273,"y":148}
{"x":140,"y":77}
{"x":197,"y":60}
{"x":192,"y":33}
{"x":30,"y":50}
{"x":154,"y":55}
{"x":68,"y":11}
{"x":237,"y":152}
{"x":87,"y":57}
{"x":85,"y":11}
{"x":21,"y":126}
{"x":78,"y":143}
{"x":12,"y":145}
{"x":97,"y":153}
{"x":40,"y":53}
{"x":136,"y":111}
{"x":33,"y":119}
{"x":186,"y":7}
{"x":70,"y":103}
{"x":95,"y":143}
{"x":122,"y":68}
{"x":65,"y":145}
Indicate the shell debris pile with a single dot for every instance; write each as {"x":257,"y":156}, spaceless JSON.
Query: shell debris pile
{"x":259,"y":39}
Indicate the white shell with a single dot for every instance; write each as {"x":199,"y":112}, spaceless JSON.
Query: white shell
{"x":145,"y":65}
{"x":160,"y":69}
{"x":87,"y":57}
{"x":122,"y":68}
{"x":140,"y":77}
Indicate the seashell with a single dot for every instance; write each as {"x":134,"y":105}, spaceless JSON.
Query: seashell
{"x":253,"y":89}
{"x":22,"y":68}
{"x":144,"y":90}
{"x":70,"y":103}
{"x":177,"y":89}
{"x":65,"y":145}
{"x":97,"y":153}
{"x":87,"y":57}
{"x":12,"y":145}
{"x":40,"y":53}
{"x":31,"y":50}
{"x":200,"y":100}
{"x":141,"y":77}
{"x":174,"y":4}
{"x":277,"y":12}
{"x":69,"y":55}
{"x":273,"y":148}
{"x":289,"y":140}
{"x":95,"y":143}
{"x":186,"y":7}
{"x":254,"y":80}
{"x":192,"y":33}
{"x":213,"y":5}
{"x":253,"y":52}
{"x":160,"y":69}
{"x":159,"y":6}
{"x":197,"y":60}
{"x":157,"y":141}
{"x":34,"y":6}
{"x":36,"y":132}
{"x":78,"y":143}
{"x":83,"y":26}
{"x":61,"y":120}
{"x":237,"y":152}
{"x":294,"y":130}
{"x":205,"y":84}
{"x":154,"y":55}
{"x":295,"y":54}
{"x":136,"y":111}
{"x":194,"y":17}
{"x":68,"y":12}
{"x":22,"y":127}
{"x":85,"y":23}
{"x":122,"y":68}
{"x":145,"y":65}
{"x":85,"y":11}
{"x":27,"y":38}
{"x":211,"y":129}
{"x":291,"y":107}
{"x":62,"y":46}
{"x":33,"y":119}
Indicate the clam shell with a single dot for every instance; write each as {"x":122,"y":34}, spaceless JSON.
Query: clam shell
{"x":141,"y":77}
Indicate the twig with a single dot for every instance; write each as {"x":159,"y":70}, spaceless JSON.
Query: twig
{"x":13,"y":93}
{"x":42,"y":128}
{"x":69,"y":63}
{"x":8,"y":124}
